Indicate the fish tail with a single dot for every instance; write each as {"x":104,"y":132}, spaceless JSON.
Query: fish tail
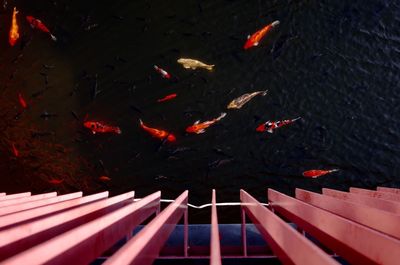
{"x":156,"y":67}
{"x":333,"y":170}
{"x":223,"y":114}
{"x":118,"y":130}
{"x":298,"y":118}
{"x":275,"y":23}
{"x":141,"y":122}
{"x":53,"y":37}
{"x":210,"y":67}
{"x":264,"y":93}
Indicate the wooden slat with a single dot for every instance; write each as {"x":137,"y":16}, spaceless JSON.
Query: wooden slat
{"x":356,"y":243}
{"x":30,"y":205}
{"x":376,"y":194}
{"x":382,"y":221}
{"x":144,"y":248}
{"x":287,"y":244}
{"x":385,"y":205}
{"x":26,"y":199}
{"x":85,"y":243}
{"x":15,"y":218}
{"x":14,"y":196}
{"x":215,"y":248}
{"x":26,"y":235}
{"x":2,"y":194}
{"x":386,"y":189}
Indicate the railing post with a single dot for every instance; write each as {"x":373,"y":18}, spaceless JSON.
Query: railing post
{"x":185,"y":232}
{"x":243,"y":231}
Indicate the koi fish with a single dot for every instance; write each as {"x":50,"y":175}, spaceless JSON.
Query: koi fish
{"x":270,"y":126}
{"x":22,"y":101}
{"x":100,"y":127}
{"x":255,"y":39}
{"x":315,"y":173}
{"x":168,"y":97}
{"x":198,"y":127}
{"x":104,"y":178}
{"x":14,"y":30}
{"x":14,"y":150}
{"x":162,"y":72}
{"x":56,"y":181}
{"x":237,"y":103}
{"x":161,"y":134}
{"x":193,"y":64}
{"x":36,"y":23}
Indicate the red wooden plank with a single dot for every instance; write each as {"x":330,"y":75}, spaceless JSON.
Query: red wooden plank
{"x":30,"y":205}
{"x":288,"y":245}
{"x":144,"y":248}
{"x":385,"y":205}
{"x":85,"y":243}
{"x":215,"y":248}
{"x":356,"y":243}
{"x":377,"y":219}
{"x":26,"y":235}
{"x":18,"y":217}
{"x":14,"y":196}
{"x":376,"y":194}
{"x":26,"y":199}
{"x":386,"y":189}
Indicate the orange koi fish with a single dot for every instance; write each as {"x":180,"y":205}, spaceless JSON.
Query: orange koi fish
{"x":168,"y":97}
{"x":315,"y":173}
{"x":22,"y":101}
{"x":104,"y":178}
{"x":198,"y":127}
{"x":100,"y":127}
{"x":14,"y":150}
{"x":56,"y":181}
{"x":255,"y":39}
{"x":36,"y":23}
{"x":162,"y":72}
{"x":14,"y":30}
{"x":270,"y":126}
{"x":161,"y":134}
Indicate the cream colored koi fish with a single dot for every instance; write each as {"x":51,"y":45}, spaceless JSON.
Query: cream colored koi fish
{"x":193,"y":64}
{"x":237,"y":103}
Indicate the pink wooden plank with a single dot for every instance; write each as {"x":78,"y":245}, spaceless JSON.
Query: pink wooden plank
{"x":372,"y":217}
{"x":385,"y":205}
{"x":376,"y":194}
{"x":18,"y":217}
{"x":33,"y":204}
{"x":356,"y":243}
{"x":14,"y":196}
{"x":143,"y":248}
{"x":215,"y":248}
{"x":26,"y":235}
{"x":288,"y":245}
{"x":386,"y":189}
{"x":27,"y":199}
{"x":85,"y":243}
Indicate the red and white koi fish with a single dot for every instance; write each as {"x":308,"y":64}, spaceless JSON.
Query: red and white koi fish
{"x":14,"y":30}
{"x":100,"y":127}
{"x":168,"y":97}
{"x":270,"y":126}
{"x":14,"y":150}
{"x":22,"y":101}
{"x":161,"y":134}
{"x":255,"y":39}
{"x":315,"y":173}
{"x":198,"y":127}
{"x":36,"y":23}
{"x":162,"y":72}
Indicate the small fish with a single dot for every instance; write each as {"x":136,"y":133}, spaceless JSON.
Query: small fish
{"x":198,"y":127}
{"x":56,"y":181}
{"x":255,"y":39}
{"x":101,"y":127}
{"x":104,"y":178}
{"x":14,"y":150}
{"x":22,"y":101}
{"x":162,"y":72}
{"x":161,"y":134}
{"x":193,"y":64}
{"x":37,"y":24}
{"x":14,"y":30}
{"x":237,"y":103}
{"x":315,"y":173}
{"x":270,"y":126}
{"x":168,"y":97}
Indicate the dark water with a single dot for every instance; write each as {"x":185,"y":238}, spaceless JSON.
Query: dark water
{"x":334,"y":63}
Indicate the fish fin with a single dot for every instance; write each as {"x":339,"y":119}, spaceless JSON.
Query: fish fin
{"x":196,"y":122}
{"x":270,"y":131}
{"x":264,"y":93}
{"x":201,"y":131}
{"x":186,"y":66}
{"x":53,"y":37}
{"x":210,"y":67}
{"x":248,"y":36}
{"x":255,"y":44}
